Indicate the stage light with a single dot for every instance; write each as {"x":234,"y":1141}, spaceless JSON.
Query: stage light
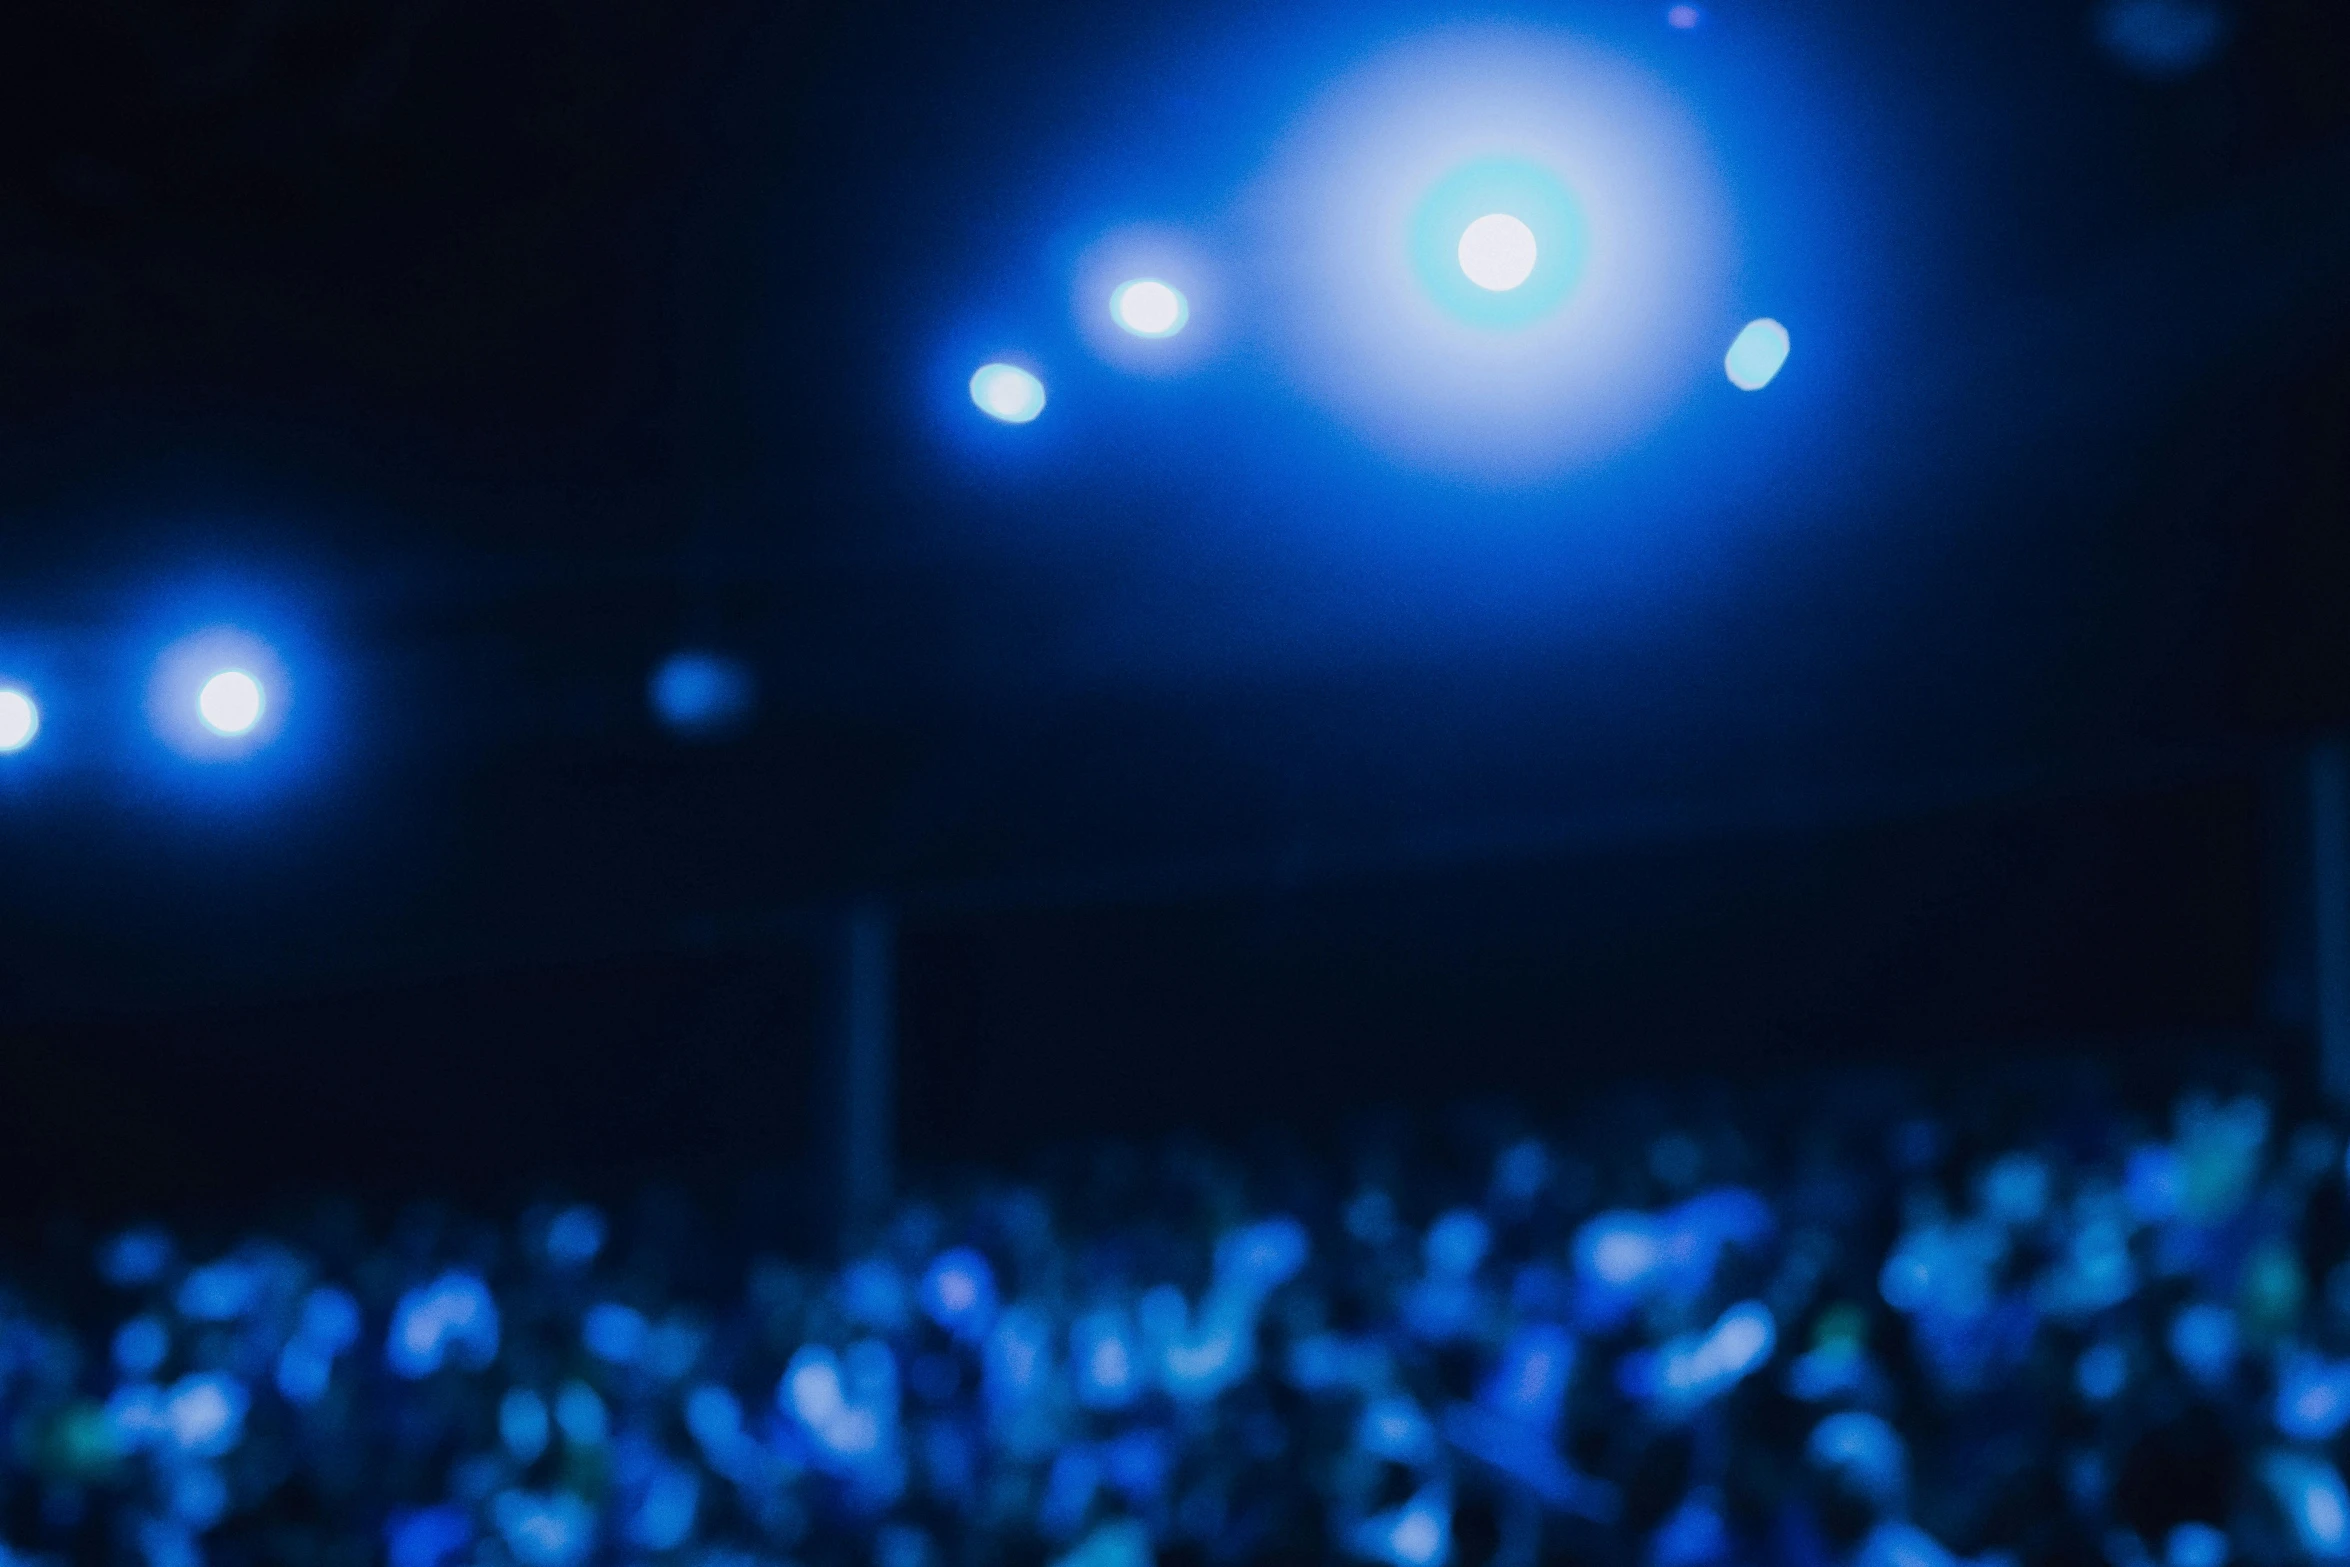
{"x":218,"y":695}
{"x":1147,"y":307}
{"x":703,"y":694}
{"x":231,"y":703}
{"x":1007,"y":393}
{"x":1756,"y":355}
{"x":1497,"y":252}
{"x":20,"y":719}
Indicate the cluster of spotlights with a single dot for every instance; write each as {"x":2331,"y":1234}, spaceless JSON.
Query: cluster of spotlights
{"x":213,"y":696}
{"x":1497,"y":252}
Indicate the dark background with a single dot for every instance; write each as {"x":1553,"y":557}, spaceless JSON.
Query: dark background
{"x":1931,"y":707}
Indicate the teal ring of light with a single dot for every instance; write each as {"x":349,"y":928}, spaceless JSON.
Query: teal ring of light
{"x":1524,"y":190}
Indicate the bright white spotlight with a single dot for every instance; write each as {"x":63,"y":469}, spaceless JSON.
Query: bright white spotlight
{"x":1755,"y":357}
{"x":1497,"y":252}
{"x":218,"y":695}
{"x":20,"y":719}
{"x":1147,"y":307}
{"x":1007,"y":393}
{"x":231,"y":703}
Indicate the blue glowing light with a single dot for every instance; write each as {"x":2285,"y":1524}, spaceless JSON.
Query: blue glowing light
{"x":426,"y":1536}
{"x":1392,"y":1427}
{"x":575,"y":1236}
{"x":1122,"y":1542}
{"x":614,"y":1332}
{"x":1897,"y":1544}
{"x":140,"y":1346}
{"x":1865,"y":1451}
{"x":1365,"y":209}
{"x":204,"y":1414}
{"x":2152,"y":1182}
{"x":1529,"y":1383}
{"x":1417,"y":1534}
{"x":2202,"y":1340}
{"x":523,"y":1424}
{"x":1756,"y":355}
{"x":218,"y":694}
{"x":2310,"y":1492}
{"x":135,"y":1257}
{"x":874,"y":1294}
{"x":553,"y":1530}
{"x":700,"y":693}
{"x":666,"y":1514}
{"x":2195,"y":1545}
{"x":1693,"y":1369}
{"x":2313,"y":1397}
{"x":303,"y":1373}
{"x":959,"y":1294}
{"x":580,"y":1415}
{"x":453,"y":1316}
{"x":218,"y":1292}
{"x":1619,"y":1249}
{"x":20,"y":719}
{"x":2102,"y":1371}
{"x":1261,"y":1257}
{"x":1007,"y":393}
{"x":1693,"y":1535}
{"x":1456,"y":1243}
{"x":1683,"y":17}
{"x":814,"y":1391}
{"x":1500,"y":242}
{"x":330,"y":1320}
{"x":1018,"y":1353}
{"x":1147,"y":307}
{"x":1106,"y":1359}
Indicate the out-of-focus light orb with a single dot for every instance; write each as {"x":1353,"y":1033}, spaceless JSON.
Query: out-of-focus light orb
{"x":1497,"y":252}
{"x":699,"y":694}
{"x":1147,"y":307}
{"x":231,"y":703}
{"x":1755,"y":357}
{"x":2161,"y":39}
{"x":1521,"y":356}
{"x":1007,"y":393}
{"x":20,"y":720}
{"x":1684,"y":17}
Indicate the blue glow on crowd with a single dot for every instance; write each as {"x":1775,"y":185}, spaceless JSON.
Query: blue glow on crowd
{"x":1883,"y":1344}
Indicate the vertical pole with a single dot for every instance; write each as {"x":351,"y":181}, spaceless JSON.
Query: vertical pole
{"x":863,"y":1048}
{"x":2329,"y":912}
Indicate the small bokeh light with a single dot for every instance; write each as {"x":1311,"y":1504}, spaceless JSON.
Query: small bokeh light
{"x":1757,"y":354}
{"x":218,"y":695}
{"x":1146,"y":307}
{"x":1497,"y":252}
{"x":1007,"y":393}
{"x":703,"y":695}
{"x":1684,"y":17}
{"x":20,"y":719}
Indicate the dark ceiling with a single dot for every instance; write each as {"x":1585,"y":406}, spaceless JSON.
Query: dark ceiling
{"x":504,"y":348}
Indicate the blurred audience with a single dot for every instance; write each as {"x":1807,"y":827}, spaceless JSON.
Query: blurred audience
{"x":1844,"y":1337}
